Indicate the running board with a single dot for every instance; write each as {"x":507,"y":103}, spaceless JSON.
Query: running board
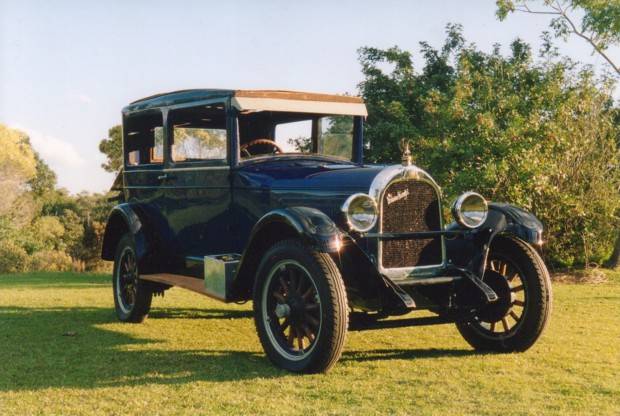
{"x":210,"y":275}
{"x":186,"y":282}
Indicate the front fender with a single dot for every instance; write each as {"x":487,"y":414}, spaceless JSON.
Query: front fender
{"x":470,"y":249}
{"x":312,"y":226}
{"x":309,"y":225}
{"x":520,"y":223}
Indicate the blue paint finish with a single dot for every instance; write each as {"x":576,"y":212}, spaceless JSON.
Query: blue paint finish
{"x":186,"y":210}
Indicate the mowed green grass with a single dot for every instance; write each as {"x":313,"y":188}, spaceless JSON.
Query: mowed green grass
{"x":197,"y":356}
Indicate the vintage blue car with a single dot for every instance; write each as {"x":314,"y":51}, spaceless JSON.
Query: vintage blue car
{"x":264,"y":196}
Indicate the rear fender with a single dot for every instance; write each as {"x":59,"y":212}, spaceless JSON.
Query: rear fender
{"x":127,"y":218}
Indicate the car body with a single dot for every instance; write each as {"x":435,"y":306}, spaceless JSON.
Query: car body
{"x":211,"y":194}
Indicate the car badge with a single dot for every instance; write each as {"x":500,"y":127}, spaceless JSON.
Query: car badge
{"x":391,"y":198}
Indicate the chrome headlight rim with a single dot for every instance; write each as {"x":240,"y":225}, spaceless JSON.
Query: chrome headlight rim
{"x":460,"y":216}
{"x":346,"y":207}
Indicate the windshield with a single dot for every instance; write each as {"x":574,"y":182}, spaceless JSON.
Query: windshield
{"x":274,"y":133}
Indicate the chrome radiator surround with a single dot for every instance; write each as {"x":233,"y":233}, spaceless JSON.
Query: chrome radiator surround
{"x":381,"y":182}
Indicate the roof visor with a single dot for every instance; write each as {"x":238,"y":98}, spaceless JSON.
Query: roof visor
{"x":298,"y":102}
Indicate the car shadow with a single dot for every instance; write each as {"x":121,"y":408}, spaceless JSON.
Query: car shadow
{"x":75,"y":348}
{"x":197,"y":313}
{"x":404,"y":354}
{"x":84,"y":347}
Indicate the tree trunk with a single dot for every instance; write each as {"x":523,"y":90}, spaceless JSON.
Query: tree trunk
{"x":614,"y":260}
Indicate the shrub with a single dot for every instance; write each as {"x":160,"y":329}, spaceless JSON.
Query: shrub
{"x":51,"y":261}
{"x":13,"y":258}
{"x":543,"y":136}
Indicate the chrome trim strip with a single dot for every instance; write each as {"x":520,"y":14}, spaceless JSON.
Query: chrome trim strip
{"x":196,"y":168}
{"x":422,"y":281}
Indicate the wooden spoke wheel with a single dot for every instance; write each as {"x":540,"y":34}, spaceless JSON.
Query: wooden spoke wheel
{"x":505,"y":315}
{"x":516,"y":320}
{"x":127,"y":285}
{"x":300,"y":308}
{"x":132,"y":296}
{"x":292,"y":309}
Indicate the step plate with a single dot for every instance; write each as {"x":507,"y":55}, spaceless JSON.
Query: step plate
{"x":219,"y":273}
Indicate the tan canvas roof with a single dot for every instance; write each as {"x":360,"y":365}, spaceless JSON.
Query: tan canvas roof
{"x":297,"y":101}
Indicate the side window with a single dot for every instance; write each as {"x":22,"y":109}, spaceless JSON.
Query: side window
{"x":144,"y":139}
{"x":199,"y":134}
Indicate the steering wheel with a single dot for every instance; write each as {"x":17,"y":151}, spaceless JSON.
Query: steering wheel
{"x":276,"y":148}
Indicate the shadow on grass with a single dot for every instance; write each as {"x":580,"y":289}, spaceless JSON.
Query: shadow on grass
{"x":197,"y":313}
{"x":411,"y":354}
{"x":65,"y":347}
{"x":65,"y":280}
{"x":68,"y":347}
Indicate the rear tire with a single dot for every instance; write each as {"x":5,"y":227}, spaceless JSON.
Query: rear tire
{"x":132,"y":296}
{"x":300,"y":308}
{"x":516,"y":321}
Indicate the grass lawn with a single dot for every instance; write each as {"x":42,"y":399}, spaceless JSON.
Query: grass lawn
{"x":197,"y":356}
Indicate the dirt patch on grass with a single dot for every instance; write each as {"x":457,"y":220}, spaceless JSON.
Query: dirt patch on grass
{"x":586,"y":276}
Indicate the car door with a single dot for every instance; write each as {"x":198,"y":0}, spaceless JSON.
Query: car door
{"x":143,"y":153}
{"x":197,"y":181}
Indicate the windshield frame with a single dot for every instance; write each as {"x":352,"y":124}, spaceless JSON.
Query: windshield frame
{"x":240,"y":125}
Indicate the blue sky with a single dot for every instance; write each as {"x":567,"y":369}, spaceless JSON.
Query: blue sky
{"x":68,"y":67}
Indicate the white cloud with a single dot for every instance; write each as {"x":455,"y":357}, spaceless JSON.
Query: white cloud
{"x":60,"y":154}
{"x":70,"y":166}
{"x":81,"y":97}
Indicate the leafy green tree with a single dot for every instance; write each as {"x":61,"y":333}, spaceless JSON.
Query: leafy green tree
{"x":542,"y":136}
{"x":44,"y":180}
{"x":17,"y":166}
{"x":599,"y":26}
{"x":112,"y":147}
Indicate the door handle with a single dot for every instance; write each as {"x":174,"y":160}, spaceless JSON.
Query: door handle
{"x":165,"y":176}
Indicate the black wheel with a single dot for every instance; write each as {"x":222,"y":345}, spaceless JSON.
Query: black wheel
{"x":518,"y":275}
{"x":300,"y":308}
{"x":132,"y":296}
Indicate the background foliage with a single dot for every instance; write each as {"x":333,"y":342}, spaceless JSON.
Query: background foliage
{"x":539,"y":131}
{"x":43,"y":227}
{"x":539,"y":134}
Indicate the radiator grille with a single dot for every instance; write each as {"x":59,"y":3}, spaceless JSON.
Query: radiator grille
{"x":410,"y":206}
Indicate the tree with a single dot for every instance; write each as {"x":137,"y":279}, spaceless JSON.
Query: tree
{"x":112,"y":147}
{"x":17,"y":166}
{"x":599,"y":26}
{"x":539,"y":135}
{"x":45,"y":178}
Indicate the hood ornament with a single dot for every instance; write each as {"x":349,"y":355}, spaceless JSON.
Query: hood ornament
{"x":405,"y":147}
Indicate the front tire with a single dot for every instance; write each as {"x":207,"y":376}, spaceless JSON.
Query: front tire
{"x":300,"y":308}
{"x":132,"y":296}
{"x":514,"y":322}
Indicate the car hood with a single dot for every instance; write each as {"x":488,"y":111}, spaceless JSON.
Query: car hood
{"x":282,"y":175}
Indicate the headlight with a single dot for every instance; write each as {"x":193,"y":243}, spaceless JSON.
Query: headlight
{"x":470,"y":210}
{"x":361,"y":212}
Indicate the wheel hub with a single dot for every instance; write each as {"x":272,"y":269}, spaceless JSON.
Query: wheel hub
{"x":296,"y":309}
{"x":495,"y":311}
{"x":282,"y":310}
